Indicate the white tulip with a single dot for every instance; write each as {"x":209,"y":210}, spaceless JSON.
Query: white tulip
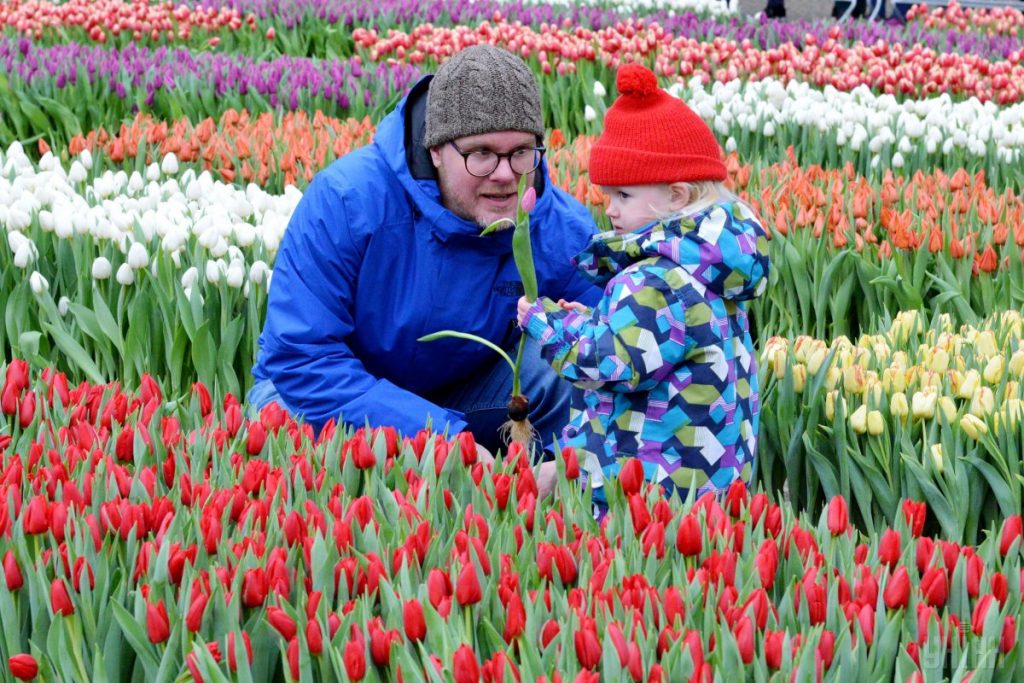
{"x":101,"y":268}
{"x":136,"y":184}
{"x":213,"y":271}
{"x":153,"y":173}
{"x":589,"y":114}
{"x":169,"y":165}
{"x":189,"y":278}
{"x":63,"y":305}
{"x":38,"y":283}
{"x":769,"y":129}
{"x":235,"y":275}
{"x":24,"y":254}
{"x":897,"y":160}
{"x":258,"y":272}
{"x":63,"y":226}
{"x":46,"y":221}
{"x":138,"y":258}
{"x":125,"y":275}
{"x":86,"y":158}
{"x":599,"y":90}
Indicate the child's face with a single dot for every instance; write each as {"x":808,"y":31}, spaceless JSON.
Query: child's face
{"x":633,"y":206}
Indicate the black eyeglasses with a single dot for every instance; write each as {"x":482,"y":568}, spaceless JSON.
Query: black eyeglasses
{"x":483,"y":162}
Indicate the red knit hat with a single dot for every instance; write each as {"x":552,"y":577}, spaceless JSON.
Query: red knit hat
{"x":651,"y":137}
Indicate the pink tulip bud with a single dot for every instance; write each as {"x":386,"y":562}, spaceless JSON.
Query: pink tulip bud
{"x":529,"y":200}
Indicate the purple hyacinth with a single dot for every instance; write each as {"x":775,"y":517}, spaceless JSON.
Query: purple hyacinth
{"x":294,"y":82}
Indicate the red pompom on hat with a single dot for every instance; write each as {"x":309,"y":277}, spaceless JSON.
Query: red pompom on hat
{"x":651,"y":137}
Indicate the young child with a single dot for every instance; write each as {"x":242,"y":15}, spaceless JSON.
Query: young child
{"x":664,"y":366}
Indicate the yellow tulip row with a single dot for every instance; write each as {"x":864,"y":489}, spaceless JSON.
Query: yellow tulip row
{"x":971,"y":376}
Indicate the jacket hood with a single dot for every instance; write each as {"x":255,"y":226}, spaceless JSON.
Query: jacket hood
{"x":400,"y":140}
{"x":724,"y":248}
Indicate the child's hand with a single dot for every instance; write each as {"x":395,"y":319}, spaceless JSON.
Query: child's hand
{"x":572,"y":306}
{"x":521,"y":309}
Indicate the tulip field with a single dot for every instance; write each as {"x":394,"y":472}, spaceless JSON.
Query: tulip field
{"x":154,"y":527}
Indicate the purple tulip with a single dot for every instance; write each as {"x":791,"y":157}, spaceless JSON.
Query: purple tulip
{"x":529,"y":199}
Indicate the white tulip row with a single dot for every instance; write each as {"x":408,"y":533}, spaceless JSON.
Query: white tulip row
{"x":138,"y":212}
{"x":859,"y":118}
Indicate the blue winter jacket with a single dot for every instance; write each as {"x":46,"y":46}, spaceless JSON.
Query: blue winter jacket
{"x":371,"y":261}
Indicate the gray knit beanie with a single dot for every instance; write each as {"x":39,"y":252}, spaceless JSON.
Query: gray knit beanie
{"x":482,"y":89}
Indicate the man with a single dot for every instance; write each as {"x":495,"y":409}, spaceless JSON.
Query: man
{"x":385,"y":247}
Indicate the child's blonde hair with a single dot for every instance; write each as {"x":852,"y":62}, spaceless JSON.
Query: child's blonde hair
{"x":703,"y":193}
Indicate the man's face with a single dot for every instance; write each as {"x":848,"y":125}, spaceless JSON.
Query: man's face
{"x":481,"y":200}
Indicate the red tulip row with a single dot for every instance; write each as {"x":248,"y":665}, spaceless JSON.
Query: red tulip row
{"x":1006,"y":20}
{"x":179,"y":535}
{"x":138,"y":19}
{"x":914,"y":71}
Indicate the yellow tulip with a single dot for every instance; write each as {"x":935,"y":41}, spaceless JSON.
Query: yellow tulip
{"x":936,"y":453}
{"x":938,"y":361}
{"x":799,"y":377}
{"x":859,"y":419}
{"x":816,"y":358}
{"x":830,"y":405}
{"x":853,"y":379}
{"x":876,"y":424}
{"x":898,"y":406}
{"x":833,"y":376}
{"x":948,"y":408}
{"x":983,"y":403}
{"x":969,"y":385}
{"x":985,"y":346}
{"x":993,"y":372}
{"x":1016,"y":366}
{"x":1012,"y":390}
{"x":779,"y":363}
{"x":922,"y":405}
{"x":973,"y":426}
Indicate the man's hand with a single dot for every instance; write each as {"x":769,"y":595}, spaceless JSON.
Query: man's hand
{"x":545,"y":473}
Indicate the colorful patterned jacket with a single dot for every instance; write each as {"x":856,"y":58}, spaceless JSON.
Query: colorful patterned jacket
{"x":664,"y":365}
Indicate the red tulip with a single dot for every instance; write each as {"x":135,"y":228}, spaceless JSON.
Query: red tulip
{"x":979,"y":614}
{"x":281,"y":622}
{"x":773,"y":641}
{"x":572,"y":463}
{"x":827,"y":647}
{"x":767,"y":562}
{"x":256,"y":438}
{"x":314,"y":637}
{"x":1009,"y":636}
{"x":27,"y":409}
{"x":925,"y":551}
{"x":467,"y":587}
{"x":866,"y":619}
{"x":439,"y":586}
{"x":838,"y":515}
{"x":674,"y":606}
{"x":975,"y":570}
{"x":934,"y":587}
{"x":515,"y":618}
{"x":60,"y":601}
{"x":363,"y":456}
{"x":1000,"y":587}
{"x":631,"y":476}
{"x":255,"y":587}
{"x":196,"y":608}
{"x":415,"y":622}
{"x":689,"y":537}
{"x":915,"y":513}
{"x":23,"y":667}
{"x":232,"y":658}
{"x":1012,"y":531}
{"x":744,"y":634}
{"x":158,"y":626}
{"x":897,"y":589}
{"x":736,"y":498}
{"x":467,"y":448}
{"x":588,"y":645}
{"x":36,"y":517}
{"x":293,"y":658}
{"x":12,"y":573}
{"x":549,"y":632}
{"x":355,"y":659}
{"x":890,"y":547}
{"x":654,"y":539}
{"x":465,"y":668}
